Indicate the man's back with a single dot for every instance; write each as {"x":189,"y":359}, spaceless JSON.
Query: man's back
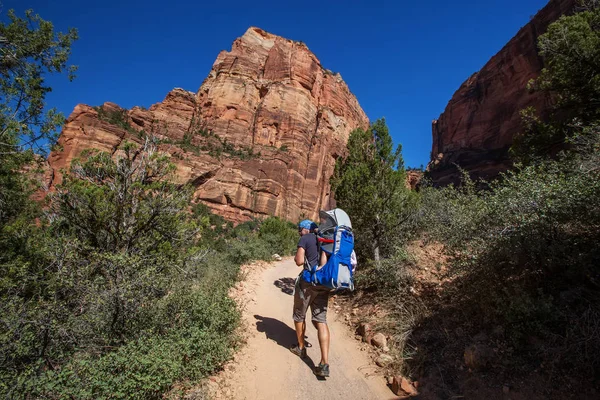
{"x":311,"y":250}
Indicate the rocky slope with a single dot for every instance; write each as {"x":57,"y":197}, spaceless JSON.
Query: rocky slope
{"x":260,"y":137}
{"x":477,"y":127}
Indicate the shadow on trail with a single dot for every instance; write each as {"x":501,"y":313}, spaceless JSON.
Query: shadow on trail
{"x":286,"y":285}
{"x":282,"y":334}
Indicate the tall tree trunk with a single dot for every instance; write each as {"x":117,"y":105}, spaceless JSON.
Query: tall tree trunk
{"x":376,"y":241}
{"x":376,"y":251}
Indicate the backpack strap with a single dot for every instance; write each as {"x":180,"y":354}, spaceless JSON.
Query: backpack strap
{"x":311,"y":270}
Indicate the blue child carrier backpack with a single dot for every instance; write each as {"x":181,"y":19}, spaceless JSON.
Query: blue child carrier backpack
{"x":337,"y":241}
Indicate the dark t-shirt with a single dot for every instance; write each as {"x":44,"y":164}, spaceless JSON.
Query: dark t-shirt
{"x":309,"y":243}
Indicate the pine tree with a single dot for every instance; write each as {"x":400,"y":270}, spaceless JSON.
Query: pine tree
{"x":30,"y":50}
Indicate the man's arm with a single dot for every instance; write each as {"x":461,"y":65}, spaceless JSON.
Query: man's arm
{"x":299,"y":256}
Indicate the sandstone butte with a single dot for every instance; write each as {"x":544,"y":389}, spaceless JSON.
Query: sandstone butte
{"x":260,"y":137}
{"x":477,"y":128}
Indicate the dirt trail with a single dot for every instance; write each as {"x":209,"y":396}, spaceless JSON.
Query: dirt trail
{"x":265,"y":369}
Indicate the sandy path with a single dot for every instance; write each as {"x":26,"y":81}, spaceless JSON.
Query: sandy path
{"x":265,"y":369}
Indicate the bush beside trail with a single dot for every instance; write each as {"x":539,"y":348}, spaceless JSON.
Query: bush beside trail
{"x":523,"y":286}
{"x":115,"y":288}
{"x":516,"y":291}
{"x":119,"y":291}
{"x":523,"y":275}
{"x":514,"y":279}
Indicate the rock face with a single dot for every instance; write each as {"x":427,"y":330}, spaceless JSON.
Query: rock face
{"x":413,"y":178}
{"x":477,"y":127}
{"x":260,"y":137}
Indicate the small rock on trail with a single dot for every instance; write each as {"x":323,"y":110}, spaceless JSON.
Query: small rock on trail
{"x":384,"y":360}
{"x":379,"y":340}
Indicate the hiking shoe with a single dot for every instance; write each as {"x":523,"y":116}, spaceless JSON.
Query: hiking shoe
{"x":322,"y":370}
{"x":300,"y":352}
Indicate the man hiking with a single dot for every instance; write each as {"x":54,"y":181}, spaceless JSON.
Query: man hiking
{"x":306,"y":294}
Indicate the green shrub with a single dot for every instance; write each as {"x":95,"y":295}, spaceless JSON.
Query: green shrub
{"x":525,"y":257}
{"x":390,"y":279}
{"x":281,"y":236}
{"x":255,"y":240}
{"x":216,"y":146}
{"x":117,"y":291}
{"x":115,"y":117}
{"x":196,"y":336}
{"x":243,"y":250}
{"x":120,"y":294}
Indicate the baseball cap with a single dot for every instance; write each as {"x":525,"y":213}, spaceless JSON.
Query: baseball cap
{"x":307,"y":224}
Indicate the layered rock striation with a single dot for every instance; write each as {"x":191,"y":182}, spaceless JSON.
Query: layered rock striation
{"x":477,"y":128}
{"x":260,"y":137}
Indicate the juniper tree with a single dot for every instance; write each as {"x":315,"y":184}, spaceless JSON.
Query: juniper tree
{"x":370,"y":184}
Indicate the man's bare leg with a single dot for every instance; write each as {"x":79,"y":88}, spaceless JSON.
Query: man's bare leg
{"x":304,"y":333}
{"x":300,"y":331}
{"x":323,"y":334}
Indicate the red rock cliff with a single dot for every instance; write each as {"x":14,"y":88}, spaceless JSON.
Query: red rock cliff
{"x":477,"y":127}
{"x":260,"y":137}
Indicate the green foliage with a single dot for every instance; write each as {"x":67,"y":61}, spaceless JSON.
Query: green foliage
{"x":115,"y":117}
{"x":29,"y":50}
{"x":246,"y":248}
{"x":186,"y":142}
{"x":525,"y":257}
{"x":524,"y":251}
{"x":449,"y":214}
{"x":538,"y":139}
{"x":571,"y":77}
{"x":370,"y":185}
{"x":185,"y":335}
{"x":280,"y":236}
{"x":259,"y":240}
{"x":571,"y":51}
{"x":15,"y":190}
{"x":196,"y":327}
{"x":547,"y":202}
{"x":117,"y":290}
{"x":216,"y":146}
{"x":391,"y":279}
{"x":121,"y":291}
{"x":128,"y":201}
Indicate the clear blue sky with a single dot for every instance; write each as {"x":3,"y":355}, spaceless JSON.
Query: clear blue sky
{"x":403,"y":60}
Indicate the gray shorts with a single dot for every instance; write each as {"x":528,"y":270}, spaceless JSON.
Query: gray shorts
{"x":316,"y":297}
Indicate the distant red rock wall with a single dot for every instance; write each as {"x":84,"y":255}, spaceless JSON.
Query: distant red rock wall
{"x":287,"y":118}
{"x":413,"y":178}
{"x":477,"y":128}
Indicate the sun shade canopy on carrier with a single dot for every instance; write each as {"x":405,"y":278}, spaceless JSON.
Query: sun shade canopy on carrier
{"x":332,"y":218}
{"x":329,"y":221}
